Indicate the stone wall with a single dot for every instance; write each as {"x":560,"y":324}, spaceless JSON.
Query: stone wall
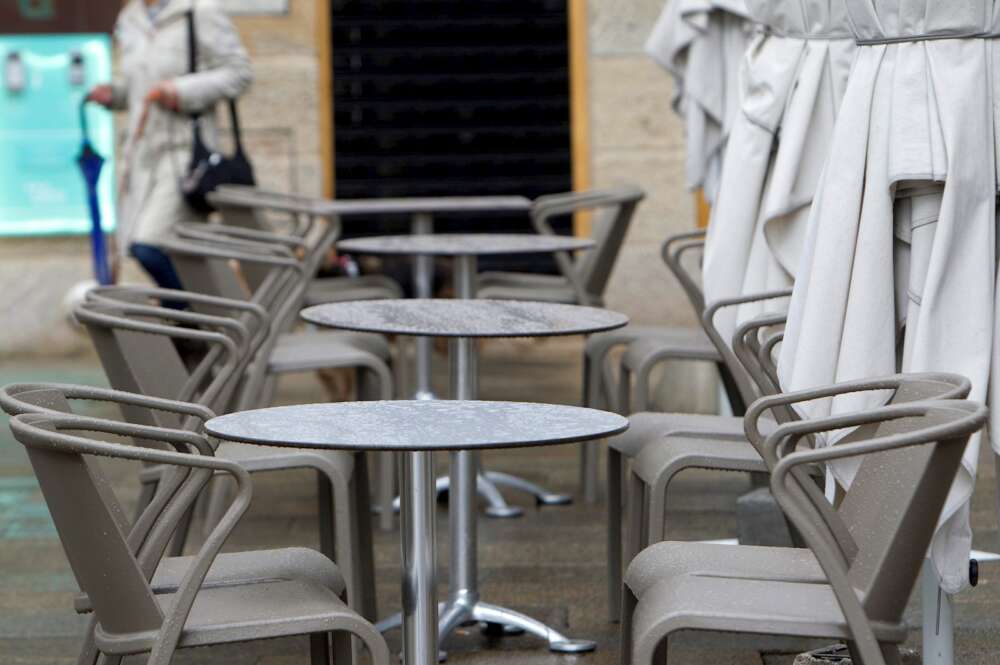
{"x":635,"y":138}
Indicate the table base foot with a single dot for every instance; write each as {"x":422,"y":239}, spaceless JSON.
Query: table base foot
{"x":542,"y":495}
{"x":516,"y":622}
{"x":497,"y":621}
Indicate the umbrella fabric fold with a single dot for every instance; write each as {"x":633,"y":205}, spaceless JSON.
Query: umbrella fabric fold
{"x":701,"y":44}
{"x":793,"y":80}
{"x":899,"y":265}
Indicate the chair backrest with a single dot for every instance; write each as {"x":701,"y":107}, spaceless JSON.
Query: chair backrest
{"x":92,"y":534}
{"x":136,"y":346}
{"x":907,"y":464}
{"x":112,"y":566}
{"x":615,"y":208}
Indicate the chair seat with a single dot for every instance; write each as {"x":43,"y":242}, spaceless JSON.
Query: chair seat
{"x":526,"y":286}
{"x":651,"y":426}
{"x":661,"y":459}
{"x":677,"y":344}
{"x":743,"y":606}
{"x":668,"y":560}
{"x":232,"y":568}
{"x":317,"y":349}
{"x":248,"y":612}
{"x":277,"y":458}
{"x":342,"y":289}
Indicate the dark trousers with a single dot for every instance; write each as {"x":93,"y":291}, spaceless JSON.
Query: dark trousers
{"x":158,"y":266}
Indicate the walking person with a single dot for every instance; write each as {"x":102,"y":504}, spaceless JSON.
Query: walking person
{"x":163,"y":96}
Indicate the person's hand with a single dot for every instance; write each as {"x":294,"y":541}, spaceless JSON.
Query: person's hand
{"x":165,"y":94}
{"x":102,"y":94}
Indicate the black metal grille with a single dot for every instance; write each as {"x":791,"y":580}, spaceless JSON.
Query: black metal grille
{"x":451,"y":97}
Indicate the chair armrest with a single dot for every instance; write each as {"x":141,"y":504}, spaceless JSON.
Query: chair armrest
{"x":224,"y":231}
{"x":765,"y":404}
{"x":14,"y":406}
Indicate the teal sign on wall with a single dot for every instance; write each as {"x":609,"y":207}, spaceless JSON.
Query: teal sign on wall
{"x":43,"y":78}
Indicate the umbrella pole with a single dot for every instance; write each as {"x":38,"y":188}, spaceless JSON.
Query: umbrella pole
{"x":938,"y":620}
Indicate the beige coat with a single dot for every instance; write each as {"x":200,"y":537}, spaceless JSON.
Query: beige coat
{"x":150,"y":202}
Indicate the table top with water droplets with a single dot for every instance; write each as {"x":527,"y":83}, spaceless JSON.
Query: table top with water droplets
{"x":464,"y":318}
{"x":416,"y":425}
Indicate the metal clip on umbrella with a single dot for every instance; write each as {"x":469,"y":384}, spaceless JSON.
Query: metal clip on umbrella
{"x":91,"y":164}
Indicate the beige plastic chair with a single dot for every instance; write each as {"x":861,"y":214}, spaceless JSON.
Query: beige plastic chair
{"x":135,"y":342}
{"x":275,"y":277}
{"x":583,"y":280}
{"x":666,"y":342}
{"x":254,"y":208}
{"x":278,"y":283}
{"x":292,"y":563}
{"x":869,"y":551}
{"x":682,"y":440}
{"x":114,"y":562}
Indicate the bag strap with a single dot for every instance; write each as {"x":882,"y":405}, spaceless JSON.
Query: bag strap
{"x":234,"y":116}
{"x":192,"y":42}
{"x":192,"y":68}
{"x":196,"y":140}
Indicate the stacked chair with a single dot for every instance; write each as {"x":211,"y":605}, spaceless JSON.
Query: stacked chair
{"x":139,"y":600}
{"x":862,"y":558}
{"x":841,"y":581}
{"x":136,"y":341}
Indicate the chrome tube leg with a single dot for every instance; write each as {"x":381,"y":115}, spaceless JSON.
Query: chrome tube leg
{"x":420,"y":609}
{"x":938,"y":621}
{"x":423,"y":286}
{"x":462,"y":485}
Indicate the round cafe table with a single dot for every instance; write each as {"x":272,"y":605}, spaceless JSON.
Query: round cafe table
{"x":417,"y":429}
{"x":464,"y":249}
{"x":463,"y":322}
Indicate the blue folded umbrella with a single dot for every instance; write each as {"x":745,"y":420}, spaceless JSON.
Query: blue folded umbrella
{"x":91,"y":164}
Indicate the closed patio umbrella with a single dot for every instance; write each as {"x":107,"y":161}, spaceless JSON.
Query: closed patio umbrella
{"x":701,"y":43}
{"x":793,"y":79}
{"x":899,"y":262}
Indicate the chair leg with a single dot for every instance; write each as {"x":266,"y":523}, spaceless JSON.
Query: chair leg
{"x":643,"y":389}
{"x":386,"y":490}
{"x":89,"y":654}
{"x":628,"y":603}
{"x":889,"y":655}
{"x":343,"y":648}
{"x":319,"y":649}
{"x":364,"y":547}
{"x":324,"y":498}
{"x":614,"y":544}
{"x":623,"y":401}
{"x":588,"y":471}
{"x":637,"y":516}
{"x":589,"y":455}
{"x":656,"y":512}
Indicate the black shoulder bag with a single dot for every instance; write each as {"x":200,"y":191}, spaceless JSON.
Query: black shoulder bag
{"x":208,"y":169}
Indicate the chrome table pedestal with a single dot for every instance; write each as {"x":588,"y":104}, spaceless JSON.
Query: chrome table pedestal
{"x":465,"y":249}
{"x":463,"y":321}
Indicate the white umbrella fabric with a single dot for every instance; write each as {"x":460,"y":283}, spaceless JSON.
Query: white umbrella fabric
{"x":701,"y":43}
{"x":899,"y":264}
{"x":793,"y":79}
